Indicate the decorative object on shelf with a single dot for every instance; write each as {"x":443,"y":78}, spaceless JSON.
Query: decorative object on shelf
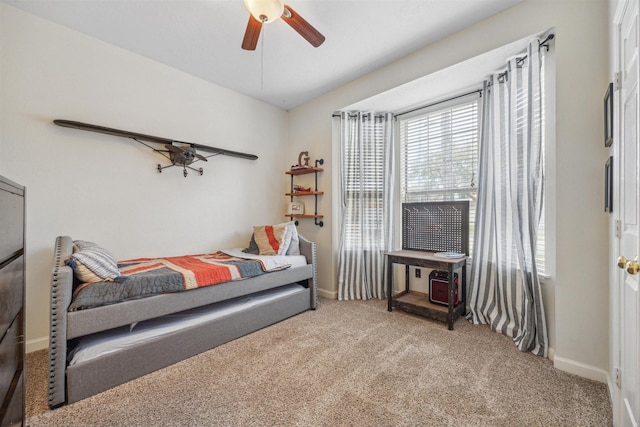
{"x":608,"y":185}
{"x":299,"y":190}
{"x":608,"y":116}
{"x":178,"y":152}
{"x":296,"y":208}
{"x":449,"y":254}
{"x":439,"y":287}
{"x":306,"y":159}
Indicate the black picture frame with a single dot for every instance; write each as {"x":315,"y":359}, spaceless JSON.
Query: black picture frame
{"x":608,"y":185}
{"x":608,"y":116}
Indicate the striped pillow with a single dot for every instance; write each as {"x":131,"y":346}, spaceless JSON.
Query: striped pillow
{"x":271,"y":239}
{"x":93,"y":263}
{"x":81,"y":245}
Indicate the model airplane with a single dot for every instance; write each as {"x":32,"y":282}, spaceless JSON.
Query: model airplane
{"x":179,"y":153}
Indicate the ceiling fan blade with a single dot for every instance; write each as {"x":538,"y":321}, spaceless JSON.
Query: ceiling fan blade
{"x":251,"y":34}
{"x":303,"y":28}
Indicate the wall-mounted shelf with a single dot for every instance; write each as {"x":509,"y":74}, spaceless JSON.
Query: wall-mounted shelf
{"x":304,"y":193}
{"x":315,"y":193}
{"x":310,"y":169}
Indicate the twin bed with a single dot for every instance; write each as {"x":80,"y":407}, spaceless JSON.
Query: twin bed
{"x":161,"y":311}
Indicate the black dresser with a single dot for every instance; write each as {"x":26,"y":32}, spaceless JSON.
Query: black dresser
{"x":12,"y":290}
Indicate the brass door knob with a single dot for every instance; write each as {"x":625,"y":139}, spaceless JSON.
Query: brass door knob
{"x":622,"y":262}
{"x":633,"y":267}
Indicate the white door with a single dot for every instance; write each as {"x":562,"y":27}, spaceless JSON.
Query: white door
{"x":629,"y":213}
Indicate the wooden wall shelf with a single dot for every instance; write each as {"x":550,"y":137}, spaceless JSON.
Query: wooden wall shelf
{"x":315,"y":193}
{"x":310,"y":169}
{"x":304,"y":193}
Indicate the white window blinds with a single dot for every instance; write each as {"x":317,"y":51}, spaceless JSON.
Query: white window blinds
{"x":363,"y":178}
{"x":439,"y":155}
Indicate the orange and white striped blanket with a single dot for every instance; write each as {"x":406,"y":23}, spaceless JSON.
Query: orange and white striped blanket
{"x":152,"y":276}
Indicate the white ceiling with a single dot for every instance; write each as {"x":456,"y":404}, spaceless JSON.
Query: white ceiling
{"x":203,"y":37}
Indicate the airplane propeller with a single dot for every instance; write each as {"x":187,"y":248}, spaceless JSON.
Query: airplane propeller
{"x":188,"y":153}
{"x":184,"y":156}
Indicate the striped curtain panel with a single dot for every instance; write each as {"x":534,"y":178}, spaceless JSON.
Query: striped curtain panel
{"x":366,"y":181}
{"x":504,"y":289}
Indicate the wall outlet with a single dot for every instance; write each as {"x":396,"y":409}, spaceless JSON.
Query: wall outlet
{"x":418,"y":273}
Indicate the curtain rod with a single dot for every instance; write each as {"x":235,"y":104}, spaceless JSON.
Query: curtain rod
{"x":428,"y":105}
{"x":543,"y":43}
{"x":520,"y":60}
{"x":439,"y":102}
{"x":350,"y":114}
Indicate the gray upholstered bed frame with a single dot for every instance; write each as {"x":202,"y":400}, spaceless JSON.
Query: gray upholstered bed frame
{"x":69,"y":384}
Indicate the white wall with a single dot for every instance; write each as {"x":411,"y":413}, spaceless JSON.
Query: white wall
{"x":106,"y":189}
{"x":577,"y":290}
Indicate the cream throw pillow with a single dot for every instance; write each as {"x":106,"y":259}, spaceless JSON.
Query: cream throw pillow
{"x":271,"y":239}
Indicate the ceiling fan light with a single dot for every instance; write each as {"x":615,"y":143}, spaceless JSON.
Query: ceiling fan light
{"x":265,"y":11}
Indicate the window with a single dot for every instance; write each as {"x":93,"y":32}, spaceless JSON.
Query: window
{"x":439,"y":154}
{"x":363,"y":177}
{"x":439,"y":159}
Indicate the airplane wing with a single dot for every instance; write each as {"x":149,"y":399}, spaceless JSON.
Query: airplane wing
{"x":150,"y":138}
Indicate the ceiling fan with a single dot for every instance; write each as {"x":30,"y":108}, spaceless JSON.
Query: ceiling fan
{"x":267,"y":11}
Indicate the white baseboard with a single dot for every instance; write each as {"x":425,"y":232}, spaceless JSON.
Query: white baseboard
{"x":37,"y":344}
{"x":328,"y":294}
{"x":580,"y":369}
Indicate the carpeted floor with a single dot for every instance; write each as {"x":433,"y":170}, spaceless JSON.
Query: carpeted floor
{"x":346,"y":364}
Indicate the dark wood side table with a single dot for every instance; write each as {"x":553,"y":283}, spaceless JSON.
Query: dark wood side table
{"x":419,"y":304}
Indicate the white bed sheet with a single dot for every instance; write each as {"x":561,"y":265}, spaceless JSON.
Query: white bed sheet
{"x":270,"y":262}
{"x":106,"y":342}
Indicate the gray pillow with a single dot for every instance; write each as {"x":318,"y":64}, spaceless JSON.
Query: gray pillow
{"x":253,"y":247}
